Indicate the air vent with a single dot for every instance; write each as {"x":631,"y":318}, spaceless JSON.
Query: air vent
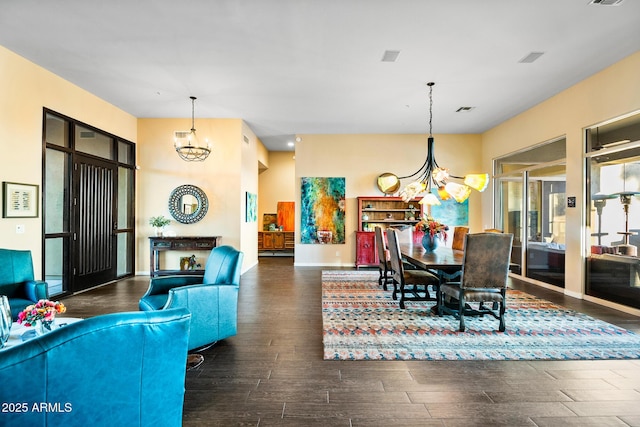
{"x":246,"y":139}
{"x":606,"y":2}
{"x":390,"y":55}
{"x":464,"y":109}
{"x":181,"y":134}
{"x":87,"y":134}
{"x":533,"y":56}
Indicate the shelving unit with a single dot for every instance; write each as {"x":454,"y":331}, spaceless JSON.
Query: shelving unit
{"x":383,"y":212}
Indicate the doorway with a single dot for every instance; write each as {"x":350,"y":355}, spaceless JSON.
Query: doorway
{"x":88,"y":205}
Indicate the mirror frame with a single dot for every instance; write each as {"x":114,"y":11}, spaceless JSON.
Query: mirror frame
{"x":175,"y":201}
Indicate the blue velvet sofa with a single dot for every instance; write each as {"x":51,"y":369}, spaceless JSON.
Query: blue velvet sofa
{"x":16,"y":280}
{"x":212,"y":298}
{"x":122,"y":369}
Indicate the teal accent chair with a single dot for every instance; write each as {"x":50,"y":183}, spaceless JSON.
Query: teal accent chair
{"x":121,"y":369}
{"x":211,"y":298}
{"x":16,"y":280}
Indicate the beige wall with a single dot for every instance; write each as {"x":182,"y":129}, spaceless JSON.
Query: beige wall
{"x":612,"y":92}
{"x":225,"y":176}
{"x":26,"y":88}
{"x":277,"y":183}
{"x":360,"y":159}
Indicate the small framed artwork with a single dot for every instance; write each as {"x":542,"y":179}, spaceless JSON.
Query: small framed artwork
{"x":251,"y":207}
{"x":19,"y":200}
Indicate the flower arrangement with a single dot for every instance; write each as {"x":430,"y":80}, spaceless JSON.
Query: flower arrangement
{"x":44,"y":311}
{"x":159,"y":221}
{"x":429,"y":225}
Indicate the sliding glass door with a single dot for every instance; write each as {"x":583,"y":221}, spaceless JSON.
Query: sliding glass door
{"x":530,"y":202}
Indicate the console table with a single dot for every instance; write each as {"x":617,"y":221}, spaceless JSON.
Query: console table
{"x":179,"y":243}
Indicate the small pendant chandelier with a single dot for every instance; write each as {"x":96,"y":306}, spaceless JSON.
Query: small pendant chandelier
{"x":431,"y":174}
{"x":187,"y":144}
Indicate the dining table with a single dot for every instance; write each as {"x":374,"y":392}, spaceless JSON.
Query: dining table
{"x":442,"y":259}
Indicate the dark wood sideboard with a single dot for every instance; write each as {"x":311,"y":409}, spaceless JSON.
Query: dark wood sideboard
{"x":177,"y":243}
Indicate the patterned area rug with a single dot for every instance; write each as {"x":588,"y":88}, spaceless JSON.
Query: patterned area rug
{"x":362,"y":322}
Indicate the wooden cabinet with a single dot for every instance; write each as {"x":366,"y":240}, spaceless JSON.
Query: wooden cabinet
{"x":276,"y":240}
{"x":366,"y":252}
{"x":387,"y":212}
{"x":195,"y":243}
{"x":383,"y":212}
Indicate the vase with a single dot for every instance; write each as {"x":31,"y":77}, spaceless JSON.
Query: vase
{"x":429,"y":242}
{"x":41,"y":327}
{"x":159,"y":231}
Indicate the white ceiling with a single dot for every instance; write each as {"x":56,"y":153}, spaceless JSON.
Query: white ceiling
{"x":308,"y":66}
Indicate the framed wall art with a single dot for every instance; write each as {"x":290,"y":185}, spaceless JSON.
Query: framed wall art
{"x":19,"y":200}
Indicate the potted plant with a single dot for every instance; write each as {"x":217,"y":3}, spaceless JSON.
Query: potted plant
{"x":159,"y":223}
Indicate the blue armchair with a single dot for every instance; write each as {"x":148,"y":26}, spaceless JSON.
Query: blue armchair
{"x":212,"y":298}
{"x":16,"y":280}
{"x":122,"y":369}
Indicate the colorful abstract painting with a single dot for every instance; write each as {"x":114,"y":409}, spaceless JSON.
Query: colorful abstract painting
{"x":322,"y":210}
{"x":451,"y":212}
{"x":286,"y":218}
{"x":252,"y":207}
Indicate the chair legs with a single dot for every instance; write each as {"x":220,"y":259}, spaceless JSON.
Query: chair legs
{"x":464,"y":309}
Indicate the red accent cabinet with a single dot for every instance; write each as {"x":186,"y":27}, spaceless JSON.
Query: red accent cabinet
{"x":366,"y":254}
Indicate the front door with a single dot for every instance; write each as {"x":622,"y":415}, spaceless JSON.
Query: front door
{"x":94,"y":242}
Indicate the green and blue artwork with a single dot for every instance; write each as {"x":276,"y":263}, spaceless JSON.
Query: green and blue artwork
{"x":322,"y":210}
{"x":451,"y":212}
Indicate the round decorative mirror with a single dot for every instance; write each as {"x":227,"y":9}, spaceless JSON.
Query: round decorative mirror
{"x":188,"y":204}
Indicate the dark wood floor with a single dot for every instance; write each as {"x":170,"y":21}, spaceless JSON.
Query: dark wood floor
{"x":272,"y":372}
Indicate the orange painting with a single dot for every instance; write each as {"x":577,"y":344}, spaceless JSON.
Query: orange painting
{"x":286,"y":212}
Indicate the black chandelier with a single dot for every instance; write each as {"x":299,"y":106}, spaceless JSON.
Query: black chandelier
{"x":431,"y":174}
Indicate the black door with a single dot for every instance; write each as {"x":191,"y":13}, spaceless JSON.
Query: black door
{"x":94,"y":242}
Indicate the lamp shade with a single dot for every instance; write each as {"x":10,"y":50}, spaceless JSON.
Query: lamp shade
{"x":429,"y":199}
{"x":458,"y":191}
{"x":477,"y":181}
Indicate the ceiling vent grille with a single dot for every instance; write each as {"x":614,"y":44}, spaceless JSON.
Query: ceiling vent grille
{"x":464,"y":109}
{"x":390,"y":55}
{"x":87,"y":134}
{"x":606,"y":2}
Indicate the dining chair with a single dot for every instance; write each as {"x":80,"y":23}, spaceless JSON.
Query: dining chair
{"x":483,"y":279}
{"x":415,"y":283}
{"x":452,"y":273}
{"x":492,"y":230}
{"x":384,"y":260}
{"x":458,"y":237}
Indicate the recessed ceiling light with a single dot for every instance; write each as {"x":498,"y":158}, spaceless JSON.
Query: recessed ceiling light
{"x":531,"y":57}
{"x":390,"y":55}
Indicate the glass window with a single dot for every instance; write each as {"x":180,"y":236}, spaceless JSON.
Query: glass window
{"x":125,"y":153}
{"x":56,"y":183}
{"x":95,"y":143}
{"x":125,"y":198}
{"x":531,"y":204}
{"x":54,"y":265}
{"x":525,"y":159}
{"x":125,"y":252}
{"x":57,"y":131}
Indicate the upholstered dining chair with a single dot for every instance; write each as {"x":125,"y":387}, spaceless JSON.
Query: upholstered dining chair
{"x":458,"y":237}
{"x":451,"y":273}
{"x":483,"y":279}
{"x":413,"y":285}
{"x":492,"y":230}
